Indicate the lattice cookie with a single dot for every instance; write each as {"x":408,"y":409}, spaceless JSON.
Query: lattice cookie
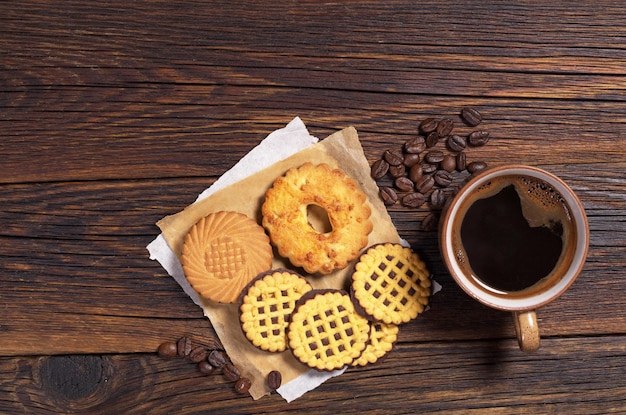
{"x":265,"y":307}
{"x":390,"y":283}
{"x":381,"y":340}
{"x":325,"y":331}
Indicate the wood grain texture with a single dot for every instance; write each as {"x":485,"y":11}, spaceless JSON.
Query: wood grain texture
{"x":115,"y":114}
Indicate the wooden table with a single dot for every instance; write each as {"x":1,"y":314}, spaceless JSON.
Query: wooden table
{"x":115,"y":114}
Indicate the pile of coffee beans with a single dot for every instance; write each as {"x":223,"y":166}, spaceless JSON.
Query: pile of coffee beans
{"x":426,"y":170}
{"x":210,"y":357}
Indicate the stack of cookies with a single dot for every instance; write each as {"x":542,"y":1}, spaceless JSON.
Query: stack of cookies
{"x":227,"y":258}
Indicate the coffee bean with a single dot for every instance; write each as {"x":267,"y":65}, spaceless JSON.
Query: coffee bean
{"x":476,"y":166}
{"x":231,"y":372}
{"x":471,"y":116}
{"x":411,"y":159}
{"x":445,"y":127}
{"x":388,"y":196}
{"x":428,"y":168}
{"x":432,"y":139}
{"x":393,"y":157}
{"x":198,"y":354}
{"x":428,"y":125}
{"x":429,"y":223}
{"x":442,"y":178}
{"x":456,"y":143}
{"x":424,"y":184}
{"x":434,"y":156}
{"x":183,"y":346}
{"x":167,"y":350}
{"x":243,"y":385}
{"x":461,"y":161}
{"x":448,"y":163}
{"x":415,"y":173}
{"x":413,"y":200}
{"x":437,"y":198}
{"x":415,"y":145}
{"x":274,"y":379}
{"x":403,"y":184}
{"x":397,"y":171}
{"x":478,"y":138}
{"x":379,"y":169}
{"x":206,"y":368}
{"x":217,"y":358}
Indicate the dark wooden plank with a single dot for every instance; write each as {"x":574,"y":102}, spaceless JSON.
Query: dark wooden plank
{"x":76,"y":241}
{"x":115,"y":114}
{"x":582,"y":375}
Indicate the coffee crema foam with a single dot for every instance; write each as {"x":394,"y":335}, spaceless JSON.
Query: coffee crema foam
{"x":542,"y":205}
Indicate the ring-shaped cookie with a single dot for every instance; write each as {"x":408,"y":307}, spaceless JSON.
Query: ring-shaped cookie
{"x":285,"y":216}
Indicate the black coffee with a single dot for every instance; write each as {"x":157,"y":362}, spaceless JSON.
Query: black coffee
{"x":513,"y":234}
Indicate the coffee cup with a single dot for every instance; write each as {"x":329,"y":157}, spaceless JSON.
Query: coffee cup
{"x":515,"y":238}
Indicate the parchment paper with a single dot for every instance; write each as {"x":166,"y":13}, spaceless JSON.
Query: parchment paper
{"x":245,"y":194}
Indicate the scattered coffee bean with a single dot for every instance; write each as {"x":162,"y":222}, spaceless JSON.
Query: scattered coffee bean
{"x":429,"y":223}
{"x":217,"y":358}
{"x":413,"y":200}
{"x":206,"y":368}
{"x":415,"y":173}
{"x":478,"y":138}
{"x":432,"y":139}
{"x":403,"y":184}
{"x":393,"y":157}
{"x":421,"y":172}
{"x":424,"y":184}
{"x":411,"y":159}
{"x":397,"y":171}
{"x":274,"y":380}
{"x":476,"y":166}
{"x":461,"y":161}
{"x":243,"y":385}
{"x":456,"y":143}
{"x":379,"y":169}
{"x":434,"y":156}
{"x":167,"y":350}
{"x":448,"y":163}
{"x":198,"y":354}
{"x":415,"y":145}
{"x":428,"y":125}
{"x":231,"y":372}
{"x":428,"y":168}
{"x":388,"y":195}
{"x":471,"y":116}
{"x":437,"y":198}
{"x":445,"y":127}
{"x":183,"y":346}
{"x":443,"y":178}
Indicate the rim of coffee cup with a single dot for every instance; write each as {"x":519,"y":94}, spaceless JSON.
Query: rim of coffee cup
{"x":514,"y":303}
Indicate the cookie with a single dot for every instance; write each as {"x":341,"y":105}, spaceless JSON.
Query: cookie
{"x":382,"y":337}
{"x":222,"y":253}
{"x":325,"y":332}
{"x":390,"y":283}
{"x":265,"y":307}
{"x":286,"y":211}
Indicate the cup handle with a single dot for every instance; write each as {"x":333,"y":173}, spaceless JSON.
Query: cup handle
{"x":527,"y":330}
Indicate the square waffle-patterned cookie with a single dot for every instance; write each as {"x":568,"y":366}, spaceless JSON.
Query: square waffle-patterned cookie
{"x":390,"y":283}
{"x":325,"y":332}
{"x":265,"y":307}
